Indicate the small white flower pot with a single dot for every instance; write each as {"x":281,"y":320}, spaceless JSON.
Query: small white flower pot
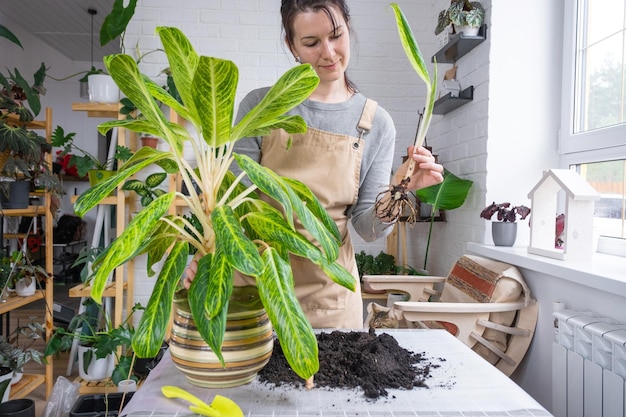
{"x":26,"y":287}
{"x":98,"y":369}
{"x":102,"y":89}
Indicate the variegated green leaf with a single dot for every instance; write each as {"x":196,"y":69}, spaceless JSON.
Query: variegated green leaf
{"x":339,"y":274}
{"x":290,"y":90}
{"x":311,"y":201}
{"x":183,"y":61}
{"x":314,"y":226}
{"x":413,"y":53}
{"x":278,"y":295}
{"x":126,"y":75}
{"x":198,"y":290}
{"x":154,"y":180}
{"x":90,"y":198}
{"x":271,"y":227}
{"x":267,"y":181}
{"x":157,"y":247}
{"x":291,"y":124}
{"x":220,"y":285}
{"x":151,"y":329}
{"x":124,"y":247}
{"x":211,"y":328}
{"x":215,"y":86}
{"x":166,"y":98}
{"x":238,"y":249}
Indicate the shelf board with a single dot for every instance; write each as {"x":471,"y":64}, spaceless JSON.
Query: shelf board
{"x":458,"y":46}
{"x":30,"y":211}
{"x":448,"y":103}
{"x":26,"y":385}
{"x":109,"y":110}
{"x":98,"y":387}
{"x":14,"y":120}
{"x":15,"y":301}
{"x":82,"y":290}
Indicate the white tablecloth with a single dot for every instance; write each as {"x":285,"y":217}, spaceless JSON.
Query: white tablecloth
{"x":463,"y":383}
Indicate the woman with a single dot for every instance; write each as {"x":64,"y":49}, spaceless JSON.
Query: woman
{"x":345,"y":156}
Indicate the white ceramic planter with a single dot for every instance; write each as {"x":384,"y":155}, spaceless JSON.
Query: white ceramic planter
{"x":102,"y":89}
{"x":98,"y":369}
{"x":26,"y":287}
{"x":6,"y":374}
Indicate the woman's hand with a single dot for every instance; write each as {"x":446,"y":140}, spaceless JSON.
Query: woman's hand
{"x":190,"y":273}
{"x":427,"y":172}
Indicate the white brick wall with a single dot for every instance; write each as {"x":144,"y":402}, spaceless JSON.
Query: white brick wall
{"x":249,"y":33}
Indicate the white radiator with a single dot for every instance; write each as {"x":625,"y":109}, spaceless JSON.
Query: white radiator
{"x":589,"y":365}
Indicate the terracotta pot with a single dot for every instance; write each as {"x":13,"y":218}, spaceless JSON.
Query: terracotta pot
{"x":150,"y":141}
{"x":247,"y":347}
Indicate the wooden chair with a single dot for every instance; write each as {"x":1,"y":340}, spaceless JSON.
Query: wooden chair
{"x":485,"y":303}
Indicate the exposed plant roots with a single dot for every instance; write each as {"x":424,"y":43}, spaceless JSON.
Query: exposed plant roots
{"x":392,"y":208}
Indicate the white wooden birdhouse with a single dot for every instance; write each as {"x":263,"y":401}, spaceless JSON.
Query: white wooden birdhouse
{"x":579,"y":199}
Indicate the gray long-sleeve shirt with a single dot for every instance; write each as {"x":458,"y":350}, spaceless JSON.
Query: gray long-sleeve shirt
{"x":342,"y":118}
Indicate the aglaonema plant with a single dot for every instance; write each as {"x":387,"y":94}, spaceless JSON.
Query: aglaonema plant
{"x":232,"y":228}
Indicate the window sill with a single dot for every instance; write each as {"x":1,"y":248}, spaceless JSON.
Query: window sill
{"x":604,"y":272}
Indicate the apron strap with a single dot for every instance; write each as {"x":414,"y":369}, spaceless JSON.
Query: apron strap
{"x":367,"y":117}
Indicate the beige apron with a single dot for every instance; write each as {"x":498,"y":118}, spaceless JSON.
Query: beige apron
{"x":330,"y":165}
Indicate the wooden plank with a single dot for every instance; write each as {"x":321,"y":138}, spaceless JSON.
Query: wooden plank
{"x":98,"y":109}
{"x":98,"y":387}
{"x":26,"y":385}
{"x":15,"y":301}
{"x":82,"y":290}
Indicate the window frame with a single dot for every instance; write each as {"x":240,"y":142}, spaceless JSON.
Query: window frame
{"x":592,"y":146}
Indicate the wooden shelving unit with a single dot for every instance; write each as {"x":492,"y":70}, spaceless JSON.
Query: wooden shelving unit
{"x":122,"y":285}
{"x":30,"y":382}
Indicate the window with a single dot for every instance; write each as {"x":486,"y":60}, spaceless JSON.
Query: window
{"x":593,"y":122}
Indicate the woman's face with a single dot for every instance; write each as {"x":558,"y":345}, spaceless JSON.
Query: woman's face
{"x":316,"y":42}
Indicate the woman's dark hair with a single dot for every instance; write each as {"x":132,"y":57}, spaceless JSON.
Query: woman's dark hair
{"x":289,"y":9}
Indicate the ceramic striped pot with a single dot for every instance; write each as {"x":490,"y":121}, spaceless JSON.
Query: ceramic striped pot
{"x":247,"y":346}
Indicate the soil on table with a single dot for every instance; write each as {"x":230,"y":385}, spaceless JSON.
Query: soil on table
{"x":355,"y":359}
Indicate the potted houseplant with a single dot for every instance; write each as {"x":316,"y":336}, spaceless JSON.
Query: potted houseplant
{"x":15,"y":355}
{"x":25,"y":274}
{"x":447,"y":195}
{"x":98,"y":353}
{"x":233,"y":228}
{"x":466,"y":16}
{"x":85,"y":162}
{"x":504,"y":231}
{"x":21,"y":150}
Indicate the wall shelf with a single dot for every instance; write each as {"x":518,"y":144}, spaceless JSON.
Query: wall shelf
{"x":448,"y":103}
{"x":458,"y":46}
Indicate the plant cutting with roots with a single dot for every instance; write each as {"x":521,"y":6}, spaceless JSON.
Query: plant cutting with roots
{"x":222,"y":219}
{"x":399,"y":201}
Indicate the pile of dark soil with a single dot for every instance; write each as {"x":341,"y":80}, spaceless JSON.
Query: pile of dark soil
{"x":356,"y":360}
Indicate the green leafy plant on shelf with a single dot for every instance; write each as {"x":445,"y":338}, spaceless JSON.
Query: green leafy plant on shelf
{"x":85,"y":161}
{"x":104,"y":339}
{"x":16,"y":349}
{"x":460,"y":13}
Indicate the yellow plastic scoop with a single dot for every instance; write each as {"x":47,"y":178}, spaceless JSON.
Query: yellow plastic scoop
{"x":220,"y":406}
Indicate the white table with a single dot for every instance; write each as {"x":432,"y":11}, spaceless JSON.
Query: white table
{"x":463,"y":385}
